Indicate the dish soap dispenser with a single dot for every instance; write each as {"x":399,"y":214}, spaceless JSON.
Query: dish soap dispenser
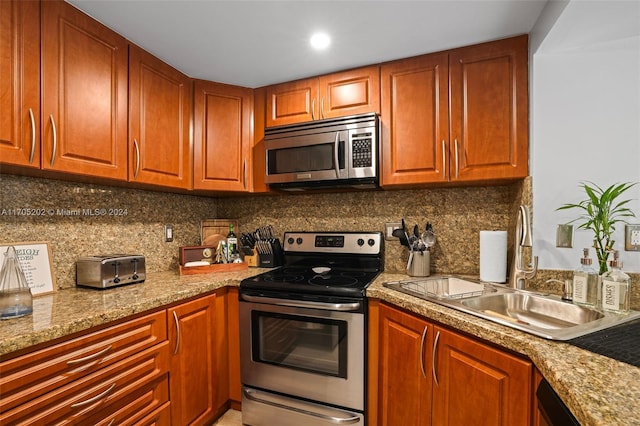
{"x":585,"y":282}
{"x":615,"y":287}
{"x":15,"y":294}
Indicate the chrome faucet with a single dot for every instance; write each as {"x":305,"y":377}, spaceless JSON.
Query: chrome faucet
{"x":523,"y":238}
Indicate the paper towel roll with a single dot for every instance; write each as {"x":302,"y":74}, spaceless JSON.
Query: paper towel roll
{"x":493,"y":256}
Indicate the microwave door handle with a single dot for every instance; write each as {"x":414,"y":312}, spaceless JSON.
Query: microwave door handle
{"x":336,"y":145}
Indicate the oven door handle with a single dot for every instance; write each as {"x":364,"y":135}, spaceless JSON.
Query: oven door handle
{"x":336,"y":146}
{"x":249,"y":394}
{"x":353,"y":306}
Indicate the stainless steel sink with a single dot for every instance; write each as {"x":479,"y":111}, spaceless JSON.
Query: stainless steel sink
{"x":542,"y":315}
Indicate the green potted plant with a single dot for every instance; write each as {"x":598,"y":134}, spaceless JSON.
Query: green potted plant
{"x":600,"y":213}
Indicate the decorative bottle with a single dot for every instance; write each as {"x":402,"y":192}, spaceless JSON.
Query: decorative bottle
{"x":614,"y":294}
{"x":585,"y":282}
{"x":15,"y":294}
{"x":232,"y":245}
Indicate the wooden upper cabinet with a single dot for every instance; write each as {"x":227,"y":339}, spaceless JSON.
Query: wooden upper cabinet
{"x":333,"y":95}
{"x":350,"y":92}
{"x":222,"y":137}
{"x":160,"y":100}
{"x":20,"y":82}
{"x":456,"y":116}
{"x":475,"y":383}
{"x":489,"y":110}
{"x":415,"y":120}
{"x":84,"y":94}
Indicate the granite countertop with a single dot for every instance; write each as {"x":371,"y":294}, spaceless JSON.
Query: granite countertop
{"x":597,"y":389}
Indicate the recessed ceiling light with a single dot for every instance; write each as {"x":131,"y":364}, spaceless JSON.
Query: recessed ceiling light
{"x":320,"y":41}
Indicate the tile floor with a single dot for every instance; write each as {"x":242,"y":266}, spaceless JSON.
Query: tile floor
{"x":230,"y":418}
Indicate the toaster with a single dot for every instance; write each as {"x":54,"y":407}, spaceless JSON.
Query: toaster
{"x":110,"y":270}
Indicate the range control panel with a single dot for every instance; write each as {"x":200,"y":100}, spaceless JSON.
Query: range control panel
{"x":333,"y":242}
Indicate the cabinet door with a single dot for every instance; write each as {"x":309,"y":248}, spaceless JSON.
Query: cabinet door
{"x":159,"y":122}
{"x":477,"y":384}
{"x":20,"y":82}
{"x":404,"y":377}
{"x":222,"y":137}
{"x":293,"y":102}
{"x":489,"y":110}
{"x":84,"y":94}
{"x":415,"y":121}
{"x":192,"y":367}
{"x":350,"y":92}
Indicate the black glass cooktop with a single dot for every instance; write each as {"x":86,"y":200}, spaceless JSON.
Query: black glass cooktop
{"x":621,"y":343}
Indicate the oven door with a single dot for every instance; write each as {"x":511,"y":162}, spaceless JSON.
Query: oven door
{"x":304,"y":158}
{"x":310,"y":350}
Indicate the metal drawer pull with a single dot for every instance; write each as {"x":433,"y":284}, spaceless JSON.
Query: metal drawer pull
{"x":137,"y":169}
{"x":424,"y":334}
{"x":33,"y":135}
{"x":94,"y":399}
{"x":457,"y":165}
{"x":303,"y":304}
{"x":55,"y":140}
{"x":433,"y":358}
{"x":112,"y":422}
{"x":89,"y":357}
{"x":175,"y":318}
{"x":444,"y":161}
{"x":331,"y":419}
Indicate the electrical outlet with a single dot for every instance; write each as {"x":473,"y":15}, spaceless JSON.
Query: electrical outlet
{"x":564,"y":236}
{"x":632,"y":237}
{"x":388,"y":230}
{"x":168,"y":233}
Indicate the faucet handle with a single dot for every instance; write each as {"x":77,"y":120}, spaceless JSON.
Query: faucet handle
{"x":531,"y":273}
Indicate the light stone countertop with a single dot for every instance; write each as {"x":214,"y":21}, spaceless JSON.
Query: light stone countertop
{"x":597,"y":389}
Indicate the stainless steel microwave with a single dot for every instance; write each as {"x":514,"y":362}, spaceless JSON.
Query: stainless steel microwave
{"x":337,"y":152}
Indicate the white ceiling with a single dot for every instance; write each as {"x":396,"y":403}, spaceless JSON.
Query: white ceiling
{"x":256,"y":43}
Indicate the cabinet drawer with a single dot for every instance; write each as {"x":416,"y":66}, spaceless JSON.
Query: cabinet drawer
{"x":32,"y":375}
{"x":148,"y":405}
{"x":98,"y":394}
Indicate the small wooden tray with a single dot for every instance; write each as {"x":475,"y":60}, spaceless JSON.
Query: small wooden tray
{"x":216,"y":267}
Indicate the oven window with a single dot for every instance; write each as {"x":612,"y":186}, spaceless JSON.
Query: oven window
{"x":305,"y":159}
{"x":309,"y":344}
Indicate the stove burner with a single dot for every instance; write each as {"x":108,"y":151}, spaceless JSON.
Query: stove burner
{"x":333,"y":280}
{"x":284,"y":278}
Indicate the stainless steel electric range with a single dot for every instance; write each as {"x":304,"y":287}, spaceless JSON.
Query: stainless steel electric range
{"x":303,"y":331}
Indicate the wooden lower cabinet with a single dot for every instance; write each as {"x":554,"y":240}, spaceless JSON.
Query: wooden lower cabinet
{"x":477,"y":384}
{"x":192,"y":327}
{"x":429,"y":375}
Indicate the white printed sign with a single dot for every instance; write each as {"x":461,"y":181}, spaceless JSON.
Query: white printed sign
{"x":35,"y":260}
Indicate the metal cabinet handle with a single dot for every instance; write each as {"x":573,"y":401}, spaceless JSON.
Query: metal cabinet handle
{"x":424,"y":334}
{"x":55,"y":140}
{"x":33,"y":135}
{"x":89,"y":357}
{"x":313,"y":109}
{"x":444,"y":161}
{"x":112,"y":422}
{"x":137,"y":169}
{"x":457,"y":165}
{"x":433,"y":358}
{"x":94,"y":399}
{"x":322,"y":108}
{"x":175,"y":318}
{"x":244,"y":174}
{"x":336,"y":146}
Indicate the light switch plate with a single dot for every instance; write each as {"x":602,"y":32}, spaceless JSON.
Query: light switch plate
{"x":632,"y":237}
{"x":564,"y":236}
{"x":388,"y":229}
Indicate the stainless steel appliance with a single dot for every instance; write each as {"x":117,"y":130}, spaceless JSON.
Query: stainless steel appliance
{"x":105,"y":271}
{"x":339,"y":152}
{"x":303,"y":331}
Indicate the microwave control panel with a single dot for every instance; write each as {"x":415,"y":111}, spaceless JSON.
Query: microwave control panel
{"x":361,"y":149}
